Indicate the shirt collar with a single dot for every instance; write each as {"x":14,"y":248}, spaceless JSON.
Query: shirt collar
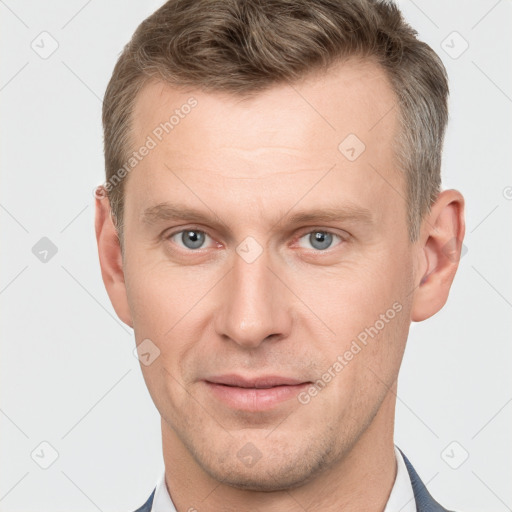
{"x":402,"y":493}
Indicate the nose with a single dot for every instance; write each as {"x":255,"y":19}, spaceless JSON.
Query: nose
{"x":253,"y":306}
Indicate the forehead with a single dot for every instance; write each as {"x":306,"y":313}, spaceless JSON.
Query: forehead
{"x":345,"y":118}
{"x":352,"y":97}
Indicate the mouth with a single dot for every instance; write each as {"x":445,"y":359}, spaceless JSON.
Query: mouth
{"x":254,"y":394}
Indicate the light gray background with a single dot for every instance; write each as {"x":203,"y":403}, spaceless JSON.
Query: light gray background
{"x":68,"y":374}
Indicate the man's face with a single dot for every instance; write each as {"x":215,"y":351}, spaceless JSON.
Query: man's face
{"x":255,"y":288}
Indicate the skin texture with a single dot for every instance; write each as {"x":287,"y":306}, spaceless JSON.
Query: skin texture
{"x":249,"y":165}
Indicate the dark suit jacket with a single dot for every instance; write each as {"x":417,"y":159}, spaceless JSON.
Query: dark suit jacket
{"x":424,"y":501}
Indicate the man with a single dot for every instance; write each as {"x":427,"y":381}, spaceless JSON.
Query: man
{"x":271,"y":223}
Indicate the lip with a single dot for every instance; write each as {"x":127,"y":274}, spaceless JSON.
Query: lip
{"x":264,"y":381}
{"x":254,"y":394}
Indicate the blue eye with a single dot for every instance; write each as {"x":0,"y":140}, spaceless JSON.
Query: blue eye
{"x":191,"y":238}
{"x":194,"y":239}
{"x":320,"y":240}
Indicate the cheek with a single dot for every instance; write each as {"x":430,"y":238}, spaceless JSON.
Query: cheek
{"x":364,"y":320}
{"x":163,"y":314}
{"x":167,"y":308}
{"x":148,"y":303}
{"x":160,"y":295}
{"x":353,"y":295}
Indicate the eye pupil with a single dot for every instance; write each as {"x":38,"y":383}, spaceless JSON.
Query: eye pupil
{"x":192,"y":239}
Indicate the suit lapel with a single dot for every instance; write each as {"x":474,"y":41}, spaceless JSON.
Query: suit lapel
{"x":147,"y":506}
{"x":424,"y":501}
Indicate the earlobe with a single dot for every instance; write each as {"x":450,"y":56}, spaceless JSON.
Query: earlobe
{"x":111,"y":262}
{"x":440,"y":242}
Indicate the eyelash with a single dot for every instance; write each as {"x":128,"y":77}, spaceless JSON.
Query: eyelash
{"x":296,"y":239}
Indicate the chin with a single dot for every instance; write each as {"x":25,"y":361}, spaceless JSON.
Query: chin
{"x":277,"y":474}
{"x":262,"y":481}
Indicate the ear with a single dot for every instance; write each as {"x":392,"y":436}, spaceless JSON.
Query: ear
{"x":439,"y":251}
{"x":111,"y":262}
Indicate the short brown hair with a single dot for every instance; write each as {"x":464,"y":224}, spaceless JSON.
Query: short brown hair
{"x":244,"y":46}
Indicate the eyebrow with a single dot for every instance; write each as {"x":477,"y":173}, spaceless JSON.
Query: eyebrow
{"x":166,"y":211}
{"x":345,"y":213}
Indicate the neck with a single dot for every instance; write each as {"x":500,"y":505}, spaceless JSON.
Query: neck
{"x":361,"y":479}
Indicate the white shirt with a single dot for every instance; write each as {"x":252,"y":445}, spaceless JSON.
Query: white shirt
{"x":401,"y":498}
